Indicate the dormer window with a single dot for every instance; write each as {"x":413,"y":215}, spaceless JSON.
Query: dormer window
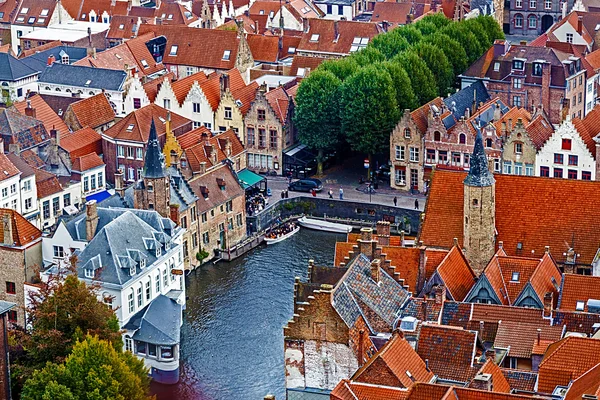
{"x":518,"y":64}
{"x":496,"y":66}
{"x":24,"y":10}
{"x":65,"y":59}
{"x":291,"y":50}
{"x":44,"y":12}
{"x":130,"y":127}
{"x":144,"y":64}
{"x":143,"y":263}
{"x":89,"y":273}
{"x":158,"y":252}
{"x":408,"y":324}
{"x":314,"y":37}
{"x":121,"y":27}
{"x":226,"y":55}
{"x":536,"y":69}
{"x":515,"y":277}
{"x":579,"y":306}
{"x":173,"y":51}
{"x":150,"y":187}
{"x":31,"y":20}
{"x":170,"y":16}
{"x":520,"y":246}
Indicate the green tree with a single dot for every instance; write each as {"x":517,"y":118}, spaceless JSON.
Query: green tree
{"x":368,"y":110}
{"x":405,"y":96}
{"x":317,"y":113}
{"x":491,"y":27}
{"x":436,"y":61}
{"x":426,"y":27}
{"x":422,"y":80}
{"x":368,"y":56}
{"x":390,"y":44}
{"x":341,"y":68}
{"x":467,"y":40}
{"x":94,"y":370}
{"x":452,"y":49}
{"x":438,"y":19}
{"x":410,"y":33}
{"x":476,"y":28}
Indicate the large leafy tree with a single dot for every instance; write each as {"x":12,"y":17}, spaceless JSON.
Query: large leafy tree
{"x":452,"y":50}
{"x":438,"y":19}
{"x":467,"y":40}
{"x":391,"y":43}
{"x":491,"y":27}
{"x":410,"y":33}
{"x":436,"y":61}
{"x":426,"y":27}
{"x":317,"y":113}
{"x":94,"y":370}
{"x":477,"y":29}
{"x":368,"y":56}
{"x":405,"y":96}
{"x":341,"y":68}
{"x":368,"y":110}
{"x":422,"y":80}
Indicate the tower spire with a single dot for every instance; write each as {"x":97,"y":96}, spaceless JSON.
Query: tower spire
{"x":154,"y":166}
{"x":479,"y":173}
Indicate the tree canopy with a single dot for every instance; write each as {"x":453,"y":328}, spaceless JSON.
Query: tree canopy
{"x":94,"y":370}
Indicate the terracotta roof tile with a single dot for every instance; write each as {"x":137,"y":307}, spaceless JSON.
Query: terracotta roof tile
{"x":538,"y":214}
{"x":32,"y":159}
{"x":350,"y":390}
{"x":151,"y":87}
{"x":264,"y":48}
{"x":520,"y":337}
{"x":456,"y":273}
{"x":197,"y":153}
{"x":82,"y":142}
{"x":279,"y":102}
{"x":588,"y":128}
{"x":394,"y":13}
{"x":520,"y":380}
{"x":47,"y":184}
{"x":87,"y":162}
{"x":215,"y":195}
{"x":335,"y":36}
{"x":181,"y":87}
{"x":308,"y":63}
{"x":500,"y":384}
{"x":539,"y":131}
{"x":34,"y":10}
{"x":450,"y":351}
{"x":428,"y":391}
{"x":26,"y":169}
{"x":578,"y":288}
{"x":396,"y":358}
{"x":136,"y":125}
{"x":594,"y":58}
{"x":24,"y":232}
{"x":122,"y":27}
{"x":588,"y":383}
{"x":567,"y":360}
{"x":94,"y":111}
{"x":44,"y":113}
{"x":7,"y":169}
{"x":421,"y":114}
{"x":246,"y":96}
{"x":433,"y":258}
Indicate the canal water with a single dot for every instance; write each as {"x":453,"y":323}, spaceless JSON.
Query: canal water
{"x":232,"y":337}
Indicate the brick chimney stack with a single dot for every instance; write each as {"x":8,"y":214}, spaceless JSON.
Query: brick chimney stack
{"x":482,"y":382}
{"x":548,"y":300}
{"x":365,"y":245}
{"x":174,"y":213}
{"x":375,"y":271}
{"x":119,"y":187}
{"x":7,"y":227}
{"x":29,"y":111}
{"x":383,"y":233}
{"x":91,"y":219}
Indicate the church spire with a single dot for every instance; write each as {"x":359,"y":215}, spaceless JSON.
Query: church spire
{"x":479,"y":173}
{"x":154,"y":166}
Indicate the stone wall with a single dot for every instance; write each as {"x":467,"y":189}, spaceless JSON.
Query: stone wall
{"x":349,"y":210}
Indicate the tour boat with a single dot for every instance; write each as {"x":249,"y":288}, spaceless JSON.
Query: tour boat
{"x":282,"y":237}
{"x":327,"y":226}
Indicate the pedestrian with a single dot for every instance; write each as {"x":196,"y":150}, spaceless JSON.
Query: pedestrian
{"x":290,"y":177}
{"x":283,"y":194}
{"x":416,"y":204}
{"x":341,"y":194}
{"x":314,"y":192}
{"x":395,"y":201}
{"x":330,"y":193}
{"x":287,"y":194}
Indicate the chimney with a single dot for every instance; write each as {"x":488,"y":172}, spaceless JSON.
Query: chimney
{"x":91,"y":219}
{"x":1,"y":146}
{"x":256,"y":27}
{"x":305,"y":25}
{"x":365,"y":242}
{"x":51,"y":59}
{"x":119,"y":187}
{"x":427,"y":365}
{"x":383,"y":233}
{"x":129,"y":5}
{"x":29,"y":111}
{"x":168,"y":123}
{"x":548,"y":300}
{"x":14,"y":148}
{"x":482,"y":382}
{"x":440,"y":294}
{"x":269,"y":397}
{"x":375,"y":272}
{"x":481,"y":328}
{"x":224,"y":79}
{"x":546,"y":86}
{"x":174,"y":213}
{"x":361,"y":350}
{"x":91,"y":52}
{"x":213,"y":155}
{"x":55,"y":135}
{"x":424,"y":310}
{"x":421,"y":272}
{"x":580,"y":24}
{"x":539,"y":336}
{"x":490,"y":354}
{"x":89,"y":32}
{"x":497,"y":112}
{"x":8,"y":229}
{"x":510,"y":126}
{"x":202,"y":169}
{"x":228,"y":150}
{"x":501,"y":46}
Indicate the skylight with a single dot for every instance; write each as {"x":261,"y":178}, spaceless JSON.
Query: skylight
{"x":314,"y":37}
{"x":261,"y":12}
{"x":87,"y":83}
{"x":31,"y":20}
{"x":291,"y":50}
{"x":173,"y":51}
{"x":44,"y":12}
{"x":118,"y":56}
{"x":515,"y":277}
{"x":580,"y":305}
{"x":163,"y":16}
{"x":121,"y":27}
{"x":305,"y":10}
{"x":41,"y":20}
{"x":226,"y":55}
{"x":24,"y":10}
{"x":144,"y":64}
{"x":301,"y":72}
{"x":130,"y":127}
{"x":170,"y":16}
{"x":20,"y":19}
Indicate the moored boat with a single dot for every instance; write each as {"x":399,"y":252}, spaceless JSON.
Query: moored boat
{"x":327,"y":226}
{"x":281,"y":238}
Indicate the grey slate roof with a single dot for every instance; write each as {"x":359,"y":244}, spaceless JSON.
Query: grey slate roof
{"x":118,"y":247}
{"x":5,"y":306}
{"x":39,"y":60}
{"x":158,"y":323}
{"x":357,"y":290}
{"x":12,"y":69}
{"x":463,"y":99}
{"x":479,"y":173}
{"x":16,"y":124}
{"x":75,"y":75}
{"x":154,"y":165}
{"x":181,"y":192}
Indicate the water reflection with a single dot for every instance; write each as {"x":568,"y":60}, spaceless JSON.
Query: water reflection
{"x":232,"y":338}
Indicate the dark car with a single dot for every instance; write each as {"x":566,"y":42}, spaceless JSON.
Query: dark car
{"x":306,"y":185}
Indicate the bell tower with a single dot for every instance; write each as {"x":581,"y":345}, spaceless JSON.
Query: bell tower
{"x":479,"y":231}
{"x":152,"y":192}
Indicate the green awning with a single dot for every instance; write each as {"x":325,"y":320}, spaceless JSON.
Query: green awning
{"x":249,"y":178}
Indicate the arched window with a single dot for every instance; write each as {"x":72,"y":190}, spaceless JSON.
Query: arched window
{"x":47,"y":88}
{"x":150,"y":187}
{"x":462,"y":138}
{"x":407,"y":133}
{"x":518,"y":21}
{"x":437,"y":136}
{"x":488,"y":142}
{"x":68,"y":90}
{"x":92,"y":93}
{"x":57,"y":89}
{"x":532,"y":21}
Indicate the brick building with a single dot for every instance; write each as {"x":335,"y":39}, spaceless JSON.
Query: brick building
{"x":20,"y":259}
{"x":94,"y":112}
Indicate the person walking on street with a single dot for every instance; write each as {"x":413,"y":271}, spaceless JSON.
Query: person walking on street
{"x":341,"y":194}
{"x":330,"y":193}
{"x":395,"y":201}
{"x":314,"y":192}
{"x":283,"y":194}
{"x":290,"y":177}
{"x":416,"y":204}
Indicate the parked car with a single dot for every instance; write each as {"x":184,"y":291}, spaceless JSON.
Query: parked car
{"x":306,"y":185}
{"x":383,"y":172}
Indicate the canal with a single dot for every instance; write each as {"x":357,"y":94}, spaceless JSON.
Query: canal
{"x":232,"y":337}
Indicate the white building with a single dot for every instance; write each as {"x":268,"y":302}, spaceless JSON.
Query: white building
{"x":337,"y":9}
{"x":136,"y":97}
{"x":16,"y":79}
{"x":137,"y":258}
{"x":90,"y":171}
{"x":27,"y":190}
{"x":568,"y":154}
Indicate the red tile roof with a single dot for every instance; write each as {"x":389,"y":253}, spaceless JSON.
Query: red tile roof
{"x":24,"y":232}
{"x":174,"y":14}
{"x":421,"y":114}
{"x":198,"y":153}
{"x":433,"y":258}
{"x":151,"y":87}
{"x":212,"y":86}
{"x":211,"y":183}
{"x":82,"y":142}
{"x":567,"y":360}
{"x":538,"y":213}
{"x":456,"y":273}
{"x":246,"y":96}
{"x":520,"y":337}
{"x":264,"y":48}
{"x":87,"y":162}
{"x":449,"y":350}
{"x":394,"y":13}
{"x":7,"y":169}
{"x":94,"y":111}
{"x":576,"y":288}
{"x":47,"y":184}
{"x":588,"y":128}
{"x":122,"y":27}
{"x":539,"y":131}
{"x":594,"y":59}
{"x":136,"y":125}
{"x":499,"y":382}
{"x":181,"y":87}
{"x":279,"y":102}
{"x":335,"y":36}
{"x":350,"y":390}
{"x":308,"y":63}
{"x":392,"y":363}
{"x":44,"y":113}
{"x":208,"y":49}
{"x":588,"y":383}
{"x":33,"y":9}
